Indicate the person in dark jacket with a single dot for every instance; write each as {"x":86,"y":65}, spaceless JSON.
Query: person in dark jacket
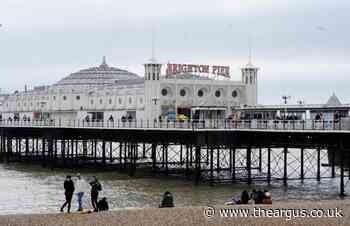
{"x":95,"y":188}
{"x":167,"y":201}
{"x":69,"y":190}
{"x":245,"y":197}
{"x":102,"y":205}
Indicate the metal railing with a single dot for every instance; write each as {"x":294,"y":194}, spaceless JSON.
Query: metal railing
{"x":188,"y":124}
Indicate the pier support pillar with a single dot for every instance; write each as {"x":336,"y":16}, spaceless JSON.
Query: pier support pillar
{"x":260,"y":160}
{"x":211,"y":165}
{"x":198,"y":164}
{"x":233,"y":164}
{"x":154,"y":157}
{"x":285,"y":165}
{"x":269,"y":165}
{"x":342,"y":156}
{"x":318,"y":164}
{"x":248,"y":164}
{"x":103,"y":152}
{"x":302,"y":164}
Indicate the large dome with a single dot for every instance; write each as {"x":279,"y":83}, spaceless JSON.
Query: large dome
{"x":102,"y":75}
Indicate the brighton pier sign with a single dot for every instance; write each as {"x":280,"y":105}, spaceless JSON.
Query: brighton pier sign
{"x":198,"y":68}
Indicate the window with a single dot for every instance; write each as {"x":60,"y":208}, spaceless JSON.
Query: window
{"x":54,"y":97}
{"x":234,"y":94}
{"x":64,"y":98}
{"x":101,"y":101}
{"x":130,"y":100}
{"x":141,"y":100}
{"x":91,"y":101}
{"x":110,"y":101}
{"x":120,"y":100}
{"x":200,"y":93}
{"x":182,"y":92}
{"x":251,"y":79}
{"x":246,"y":80}
{"x":164,"y":92}
{"x":154,"y":76}
{"x":217,"y":93}
{"x":77,"y":97}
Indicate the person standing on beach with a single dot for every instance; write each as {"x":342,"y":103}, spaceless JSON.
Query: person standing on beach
{"x":80,"y":187}
{"x":69,"y":190}
{"x":95,"y":188}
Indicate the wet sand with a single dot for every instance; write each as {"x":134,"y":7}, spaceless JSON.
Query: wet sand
{"x":182,"y":216}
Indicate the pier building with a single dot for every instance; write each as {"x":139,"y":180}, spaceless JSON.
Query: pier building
{"x":109,"y":93}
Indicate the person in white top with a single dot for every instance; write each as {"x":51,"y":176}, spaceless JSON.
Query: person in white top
{"x":80,"y":186}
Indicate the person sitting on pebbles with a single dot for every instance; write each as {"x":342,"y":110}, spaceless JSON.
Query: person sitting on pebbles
{"x":168,"y":200}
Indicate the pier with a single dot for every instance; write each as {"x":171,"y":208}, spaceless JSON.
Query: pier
{"x":211,"y":151}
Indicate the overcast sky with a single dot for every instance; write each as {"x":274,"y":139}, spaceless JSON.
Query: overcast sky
{"x":301,"y":47}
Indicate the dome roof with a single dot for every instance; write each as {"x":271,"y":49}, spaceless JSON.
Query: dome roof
{"x":102,"y":75}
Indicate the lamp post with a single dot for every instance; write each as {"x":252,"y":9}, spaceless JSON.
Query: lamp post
{"x":285,"y":98}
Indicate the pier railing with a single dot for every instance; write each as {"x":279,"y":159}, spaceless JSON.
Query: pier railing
{"x":187,"y":124}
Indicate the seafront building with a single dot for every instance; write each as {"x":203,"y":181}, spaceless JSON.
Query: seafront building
{"x":108,"y":93}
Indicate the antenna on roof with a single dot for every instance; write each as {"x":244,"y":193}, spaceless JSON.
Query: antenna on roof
{"x":153,"y":59}
{"x":250,"y":49}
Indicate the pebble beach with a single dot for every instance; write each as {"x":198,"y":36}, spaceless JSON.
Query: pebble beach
{"x":184,"y":216}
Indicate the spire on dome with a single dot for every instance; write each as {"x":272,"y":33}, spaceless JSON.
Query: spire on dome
{"x":104,"y":64}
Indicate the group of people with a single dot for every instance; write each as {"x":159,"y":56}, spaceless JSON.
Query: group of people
{"x":259,"y":197}
{"x":79,"y":186}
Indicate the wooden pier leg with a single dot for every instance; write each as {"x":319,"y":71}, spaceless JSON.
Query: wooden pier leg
{"x":285,"y":165}
{"x":302,"y":164}
{"x":248,"y":164}
{"x":318,"y":164}
{"x":198,"y":164}
{"x":269,"y":165}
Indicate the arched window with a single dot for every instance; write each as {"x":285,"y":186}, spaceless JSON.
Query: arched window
{"x":217,"y":93}
{"x":64,"y":98}
{"x":182,"y":92}
{"x":200,"y":93}
{"x":234,"y":93}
